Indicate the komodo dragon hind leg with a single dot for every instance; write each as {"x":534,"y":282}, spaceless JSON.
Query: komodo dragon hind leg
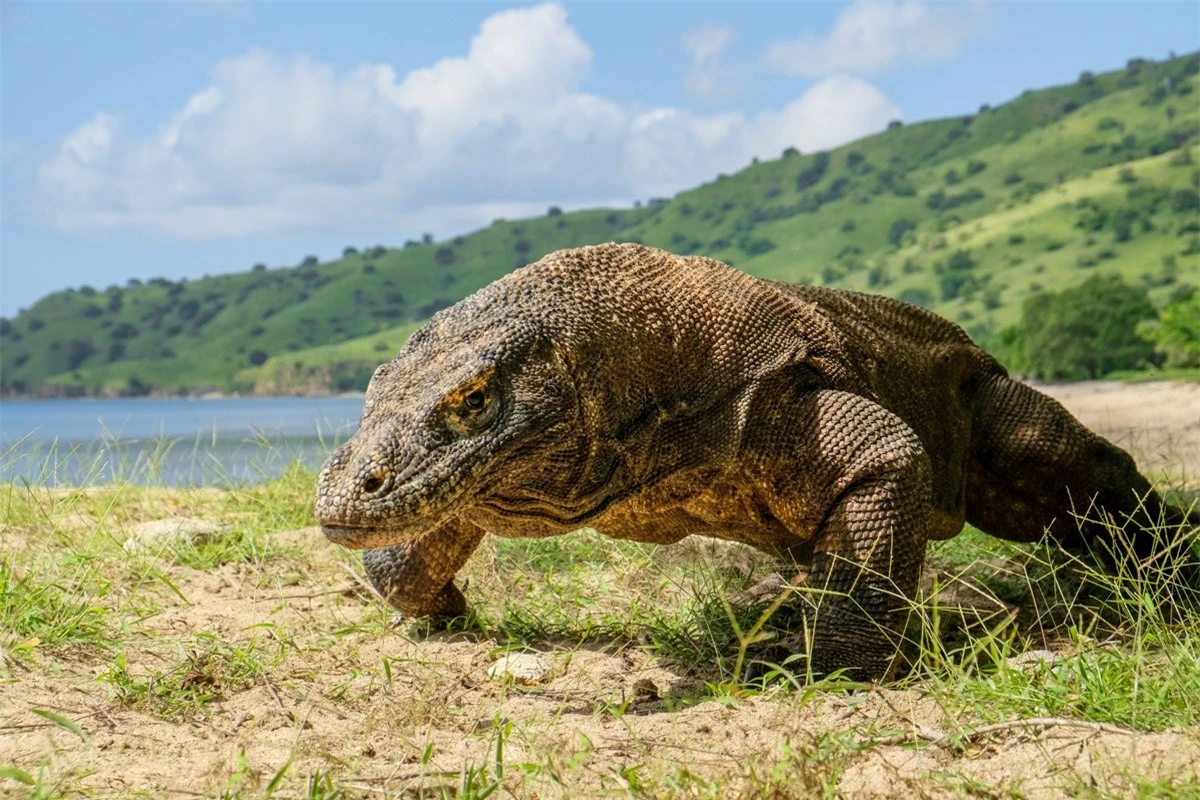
{"x":417,"y":577}
{"x":1034,"y":467}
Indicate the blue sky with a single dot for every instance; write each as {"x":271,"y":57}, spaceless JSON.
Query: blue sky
{"x":143,"y":139}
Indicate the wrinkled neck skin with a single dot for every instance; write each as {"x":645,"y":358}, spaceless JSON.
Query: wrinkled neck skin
{"x":611,"y":374}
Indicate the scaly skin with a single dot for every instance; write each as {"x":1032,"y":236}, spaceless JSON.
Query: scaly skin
{"x":653,"y":396}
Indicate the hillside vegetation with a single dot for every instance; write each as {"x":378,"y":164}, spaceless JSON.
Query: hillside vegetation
{"x":972,"y":216}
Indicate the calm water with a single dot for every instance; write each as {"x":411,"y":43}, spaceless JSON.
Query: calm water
{"x":169,"y":441}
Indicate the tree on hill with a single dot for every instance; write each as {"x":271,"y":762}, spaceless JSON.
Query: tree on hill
{"x":1081,"y":333}
{"x":1176,"y":334}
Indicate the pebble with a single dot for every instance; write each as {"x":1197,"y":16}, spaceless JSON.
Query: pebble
{"x":524,"y":668}
{"x":161,"y":533}
{"x":1033,"y":658}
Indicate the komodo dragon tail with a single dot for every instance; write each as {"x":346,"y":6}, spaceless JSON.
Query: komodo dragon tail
{"x":1035,"y":468}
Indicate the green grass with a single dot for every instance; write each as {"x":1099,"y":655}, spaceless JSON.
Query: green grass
{"x":202,"y":674}
{"x":1028,"y":164}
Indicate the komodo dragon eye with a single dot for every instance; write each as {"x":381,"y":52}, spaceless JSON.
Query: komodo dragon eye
{"x":472,"y":407}
{"x":475,"y":400}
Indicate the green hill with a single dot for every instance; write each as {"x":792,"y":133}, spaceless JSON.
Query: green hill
{"x":968,"y":216}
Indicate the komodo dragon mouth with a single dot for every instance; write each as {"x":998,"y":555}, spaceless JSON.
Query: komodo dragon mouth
{"x":365,"y":538}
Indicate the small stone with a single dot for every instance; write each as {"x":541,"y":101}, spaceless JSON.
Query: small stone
{"x":645,"y":689}
{"x":162,"y":533}
{"x":526,"y":669}
{"x":1031,"y":659}
{"x":766,"y":589}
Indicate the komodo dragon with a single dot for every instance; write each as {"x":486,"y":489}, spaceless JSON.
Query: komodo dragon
{"x":653,"y":396}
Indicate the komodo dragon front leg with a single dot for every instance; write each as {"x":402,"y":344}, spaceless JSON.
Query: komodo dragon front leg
{"x":855,"y":477}
{"x":417,"y":577}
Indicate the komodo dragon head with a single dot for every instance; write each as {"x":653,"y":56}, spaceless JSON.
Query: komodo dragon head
{"x":475,"y":395}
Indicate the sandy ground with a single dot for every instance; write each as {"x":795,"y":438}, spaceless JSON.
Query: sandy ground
{"x":384,"y":713}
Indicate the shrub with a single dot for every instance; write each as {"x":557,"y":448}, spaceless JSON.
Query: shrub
{"x":258,"y":357}
{"x":976,"y":167}
{"x":878,"y":276}
{"x":78,"y":351}
{"x":956,"y":284}
{"x":812,"y":173}
{"x":939,"y":200}
{"x":918,"y":297}
{"x":1081,"y":333}
{"x":1177,"y":333}
{"x":1185,"y":200}
{"x":1122,"y":224}
{"x":1028,"y":190}
{"x":756,"y":247}
{"x":790,"y":152}
{"x":1181,"y":159}
{"x":960,"y":260}
{"x":898,"y":230}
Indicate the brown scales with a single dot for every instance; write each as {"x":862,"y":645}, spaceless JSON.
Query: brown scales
{"x":653,"y":396}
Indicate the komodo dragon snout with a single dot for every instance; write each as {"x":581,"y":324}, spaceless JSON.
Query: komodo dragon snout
{"x":435,"y":420}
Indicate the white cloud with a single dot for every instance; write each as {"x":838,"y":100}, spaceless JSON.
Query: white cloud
{"x":833,"y":111}
{"x":278,"y":144}
{"x":708,"y":78}
{"x":873,"y":36}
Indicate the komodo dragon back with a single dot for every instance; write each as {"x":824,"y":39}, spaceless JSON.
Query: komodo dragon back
{"x":654,"y":396}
